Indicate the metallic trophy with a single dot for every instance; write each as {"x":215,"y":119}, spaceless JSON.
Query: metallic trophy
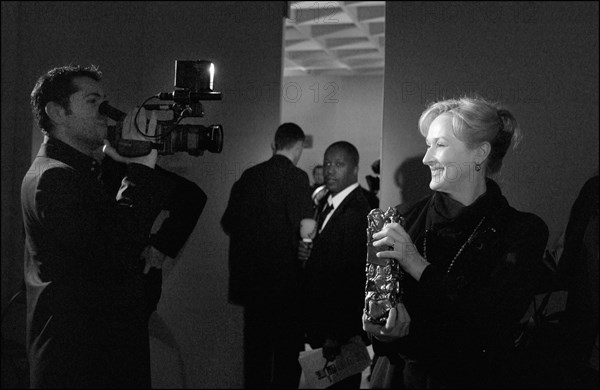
{"x":383,"y":288}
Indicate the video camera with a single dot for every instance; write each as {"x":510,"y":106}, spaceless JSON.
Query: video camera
{"x":195,"y":82}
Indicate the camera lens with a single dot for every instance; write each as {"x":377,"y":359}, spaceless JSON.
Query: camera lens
{"x":194,"y":139}
{"x":215,"y":137}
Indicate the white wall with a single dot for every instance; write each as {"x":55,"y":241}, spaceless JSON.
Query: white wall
{"x":539,"y":58}
{"x":331,"y":109}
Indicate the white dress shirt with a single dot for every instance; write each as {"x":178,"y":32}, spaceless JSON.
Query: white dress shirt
{"x":337,"y":200}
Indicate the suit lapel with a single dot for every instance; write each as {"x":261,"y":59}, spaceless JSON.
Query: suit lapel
{"x":340,"y":209}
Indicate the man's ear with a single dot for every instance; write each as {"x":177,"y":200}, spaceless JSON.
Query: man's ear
{"x":300,"y":149}
{"x":55,"y":112}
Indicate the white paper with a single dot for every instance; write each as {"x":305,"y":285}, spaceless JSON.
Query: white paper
{"x":353,"y":360}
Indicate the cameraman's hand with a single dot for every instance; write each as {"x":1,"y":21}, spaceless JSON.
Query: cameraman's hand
{"x":129,"y":131}
{"x":154,"y":258}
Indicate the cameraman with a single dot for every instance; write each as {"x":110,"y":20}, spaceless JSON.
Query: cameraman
{"x":86,"y":323}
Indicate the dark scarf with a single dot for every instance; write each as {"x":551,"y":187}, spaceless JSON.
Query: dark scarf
{"x":450,"y":223}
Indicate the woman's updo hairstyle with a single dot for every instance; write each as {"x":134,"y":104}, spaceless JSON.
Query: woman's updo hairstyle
{"x":476,"y":120}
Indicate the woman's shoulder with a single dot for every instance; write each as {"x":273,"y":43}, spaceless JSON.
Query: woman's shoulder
{"x":516,"y":221}
{"x":523,"y":222}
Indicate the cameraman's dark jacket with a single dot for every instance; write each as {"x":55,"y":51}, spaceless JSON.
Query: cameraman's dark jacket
{"x":184,"y":202}
{"x":85,"y":322}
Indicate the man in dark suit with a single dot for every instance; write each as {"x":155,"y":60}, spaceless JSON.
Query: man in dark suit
{"x":263,"y":221}
{"x":335,"y":269}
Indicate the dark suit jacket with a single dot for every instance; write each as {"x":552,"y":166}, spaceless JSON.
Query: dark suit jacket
{"x":85,"y":323}
{"x":184,"y":203}
{"x":335,"y":273}
{"x":578,"y":267}
{"x":263,"y":221}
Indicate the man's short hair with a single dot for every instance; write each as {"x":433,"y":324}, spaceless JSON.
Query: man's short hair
{"x":57,"y":86}
{"x":287,"y":135}
{"x":348,"y":148}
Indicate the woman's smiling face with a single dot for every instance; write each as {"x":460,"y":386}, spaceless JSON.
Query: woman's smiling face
{"x":451,"y":161}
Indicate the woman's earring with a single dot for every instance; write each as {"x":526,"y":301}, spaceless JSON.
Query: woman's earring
{"x":477,"y":167}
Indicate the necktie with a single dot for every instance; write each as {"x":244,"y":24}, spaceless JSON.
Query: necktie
{"x":322,"y":215}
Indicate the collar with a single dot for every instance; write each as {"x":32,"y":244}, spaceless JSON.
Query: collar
{"x":281,"y":157}
{"x":58,"y":150}
{"x":444,"y":212}
{"x":336,"y":201}
{"x":340,"y":196}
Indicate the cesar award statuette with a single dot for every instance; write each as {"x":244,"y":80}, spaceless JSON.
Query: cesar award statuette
{"x":383,"y":288}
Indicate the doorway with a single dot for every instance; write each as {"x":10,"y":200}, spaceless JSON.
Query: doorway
{"x":332,"y":87}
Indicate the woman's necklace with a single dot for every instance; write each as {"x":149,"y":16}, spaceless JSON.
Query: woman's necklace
{"x":459,"y":251}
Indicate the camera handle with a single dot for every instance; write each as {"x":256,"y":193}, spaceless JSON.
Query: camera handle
{"x":134,"y":148}
{"x":179,"y":110}
{"x":130,"y":147}
{"x":194,"y":110}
